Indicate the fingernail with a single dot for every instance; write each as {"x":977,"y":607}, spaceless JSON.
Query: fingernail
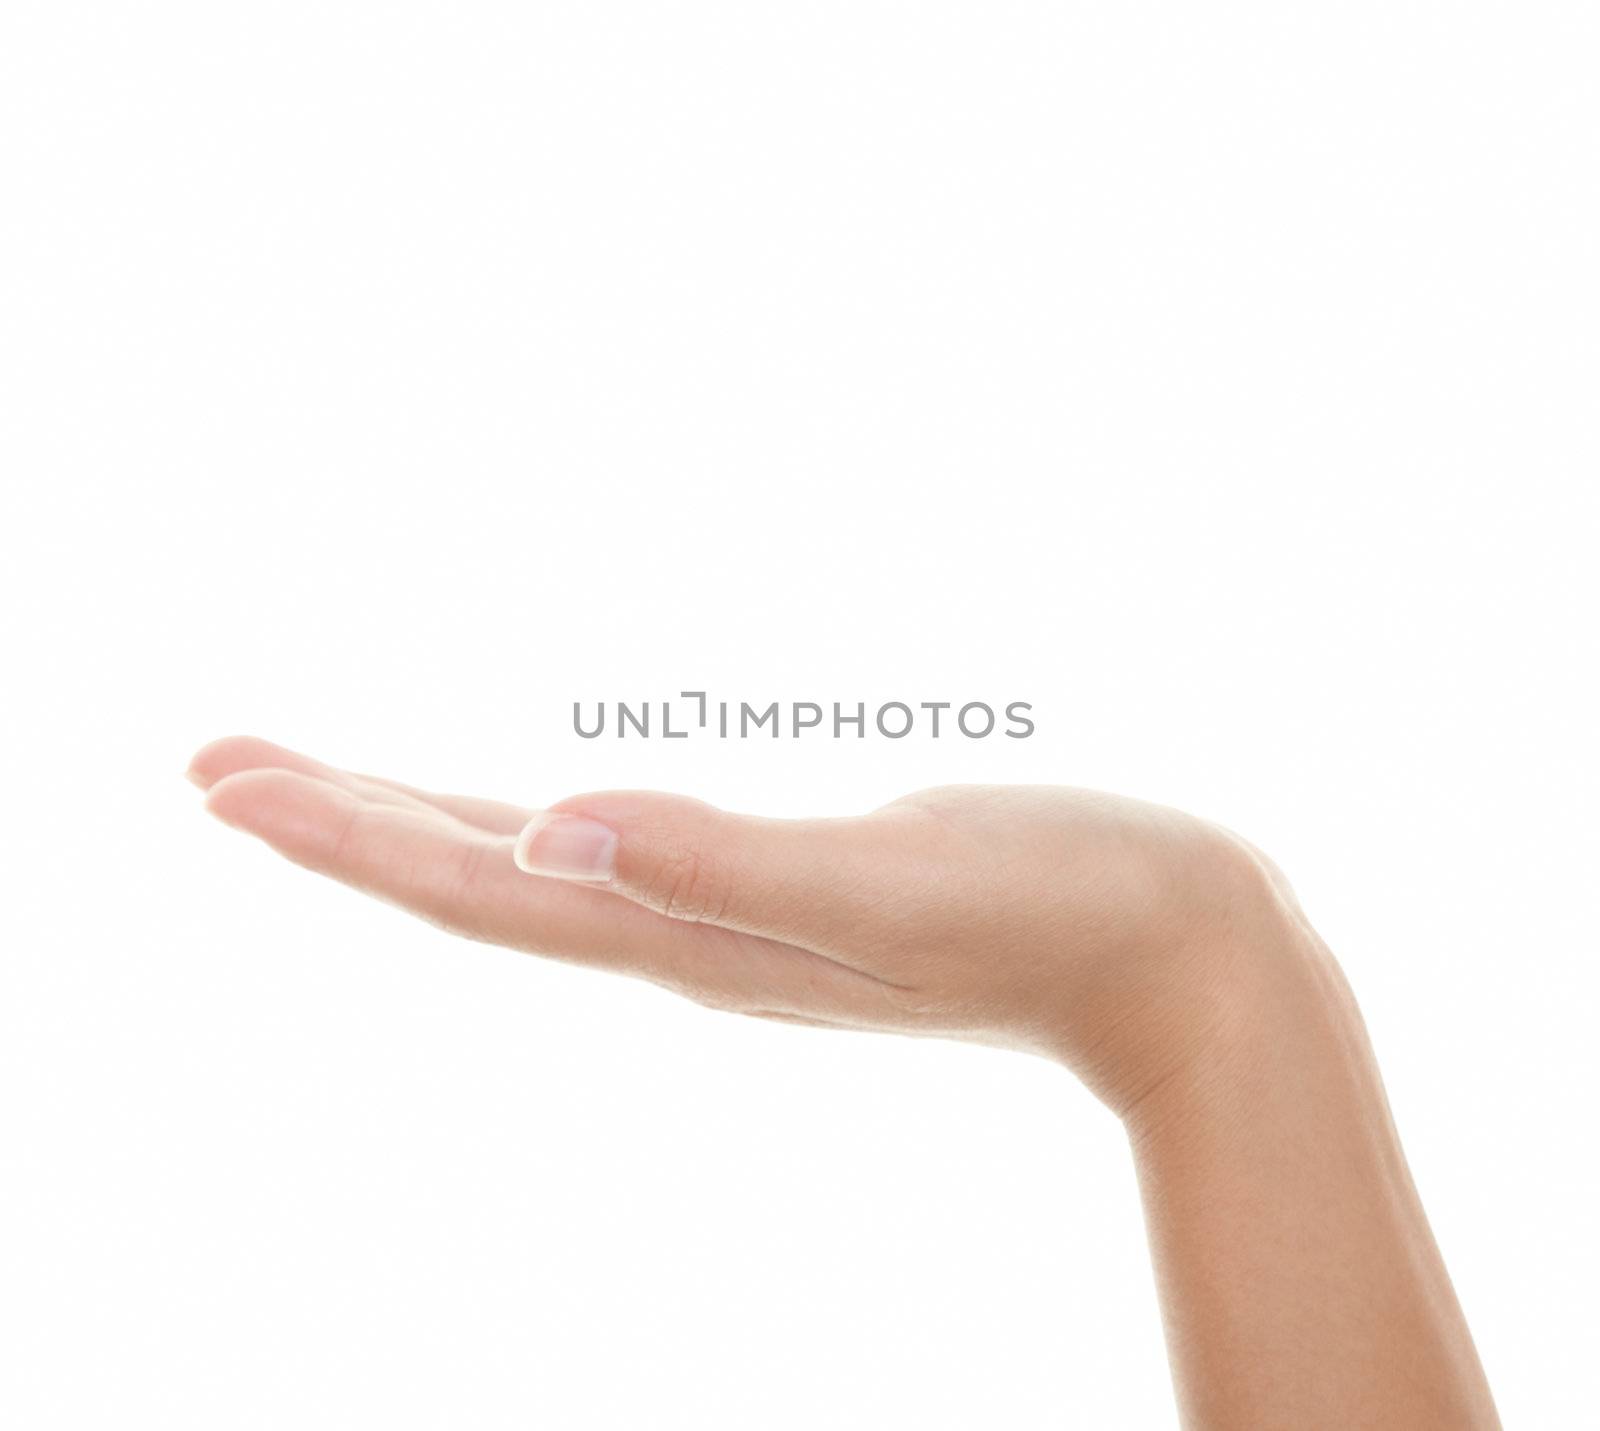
{"x":566,"y":847}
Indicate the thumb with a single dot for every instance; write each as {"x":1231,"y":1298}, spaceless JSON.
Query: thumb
{"x":800,"y":880}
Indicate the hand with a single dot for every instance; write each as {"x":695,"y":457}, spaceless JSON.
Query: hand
{"x":1161,"y":958}
{"x":1100,"y":931}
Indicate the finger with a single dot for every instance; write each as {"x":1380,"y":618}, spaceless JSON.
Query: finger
{"x":821,"y":883}
{"x":464,"y":880}
{"x":238,"y":753}
{"x":413,"y":856}
{"x":235,"y":753}
{"x":495,"y":816}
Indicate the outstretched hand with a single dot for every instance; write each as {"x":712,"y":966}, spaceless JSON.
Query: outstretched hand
{"x":1100,"y":931}
{"x":1161,"y":958}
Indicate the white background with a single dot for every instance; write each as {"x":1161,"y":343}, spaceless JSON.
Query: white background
{"x":381,"y":378}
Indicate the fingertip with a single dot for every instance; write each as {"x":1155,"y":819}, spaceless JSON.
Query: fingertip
{"x":218,"y":759}
{"x":296,"y":814}
{"x":563,"y":846}
{"x":524,"y":841}
{"x":234,"y":798}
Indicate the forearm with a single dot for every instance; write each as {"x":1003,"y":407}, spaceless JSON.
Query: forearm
{"x":1300,"y":1284}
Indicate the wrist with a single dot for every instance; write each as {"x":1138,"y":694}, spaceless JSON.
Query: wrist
{"x":1226,"y":985}
{"x":1272,"y":1029}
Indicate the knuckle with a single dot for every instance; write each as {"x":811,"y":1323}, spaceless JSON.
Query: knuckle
{"x":457,"y":909}
{"x":346,"y":845}
{"x":690,"y":885}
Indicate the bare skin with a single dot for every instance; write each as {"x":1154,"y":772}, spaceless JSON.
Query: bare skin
{"x":1160,"y":958}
